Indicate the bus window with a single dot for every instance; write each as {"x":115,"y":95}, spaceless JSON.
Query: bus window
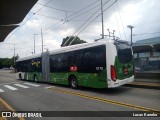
{"x":124,"y":52}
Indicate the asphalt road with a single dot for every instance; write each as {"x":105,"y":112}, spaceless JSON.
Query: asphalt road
{"x":30,"y":96}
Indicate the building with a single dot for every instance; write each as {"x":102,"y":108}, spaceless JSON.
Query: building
{"x":147,"y":54}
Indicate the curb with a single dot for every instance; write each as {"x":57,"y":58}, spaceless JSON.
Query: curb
{"x":148,"y":86}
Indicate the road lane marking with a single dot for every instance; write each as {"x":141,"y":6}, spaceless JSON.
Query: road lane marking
{"x":1,"y":90}
{"x":9,"y":107}
{"x":35,"y":85}
{"x":49,"y":87}
{"x":23,"y":86}
{"x":9,"y":83}
{"x":10,"y":87}
{"x":106,"y":100}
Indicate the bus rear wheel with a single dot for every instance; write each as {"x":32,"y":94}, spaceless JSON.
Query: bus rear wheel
{"x":73,"y":82}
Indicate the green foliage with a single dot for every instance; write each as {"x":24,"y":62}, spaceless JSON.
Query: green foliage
{"x":77,"y":40}
{"x":7,"y":62}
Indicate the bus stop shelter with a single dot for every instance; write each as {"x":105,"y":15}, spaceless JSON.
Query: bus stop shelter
{"x":147,"y":55}
{"x":12,"y":12}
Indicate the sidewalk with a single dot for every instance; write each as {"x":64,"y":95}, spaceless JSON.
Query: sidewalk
{"x":145,"y":83}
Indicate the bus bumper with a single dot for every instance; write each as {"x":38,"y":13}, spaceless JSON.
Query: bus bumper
{"x":118,"y":83}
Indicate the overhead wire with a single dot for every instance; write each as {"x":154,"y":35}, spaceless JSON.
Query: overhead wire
{"x":121,"y":20}
{"x":64,"y":21}
{"x":146,"y":33}
{"x":147,"y":22}
{"x":117,"y":23}
{"x":28,"y":19}
{"x":47,"y":16}
{"x":43,"y":6}
{"x":84,"y":12}
{"x":94,"y":18}
{"x":55,"y":8}
{"x":83,"y":25}
{"x":63,"y":10}
{"x":56,"y":25}
{"x":51,"y":17}
{"x":6,"y":53}
{"x":66,"y":17}
{"x":82,"y":9}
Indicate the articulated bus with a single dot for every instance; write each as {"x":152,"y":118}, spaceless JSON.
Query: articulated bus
{"x":103,"y":64}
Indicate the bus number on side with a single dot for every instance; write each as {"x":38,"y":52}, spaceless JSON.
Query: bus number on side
{"x":99,"y":68}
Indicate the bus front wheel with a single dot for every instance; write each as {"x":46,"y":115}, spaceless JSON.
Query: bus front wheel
{"x":35,"y":78}
{"x":73,"y":82}
{"x":20,"y":76}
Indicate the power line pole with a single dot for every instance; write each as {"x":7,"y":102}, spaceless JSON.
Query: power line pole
{"x":14,"y":51}
{"x":102,"y":19}
{"x":131,"y":27}
{"x":14,"y":55}
{"x":42,"y":39}
{"x":34,"y":42}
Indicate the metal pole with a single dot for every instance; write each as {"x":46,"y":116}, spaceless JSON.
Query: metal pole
{"x":102,"y":19}
{"x":131,"y":27}
{"x":42,"y":39}
{"x":131,"y":36}
{"x":113,"y":34}
{"x":34,"y":43}
{"x":14,"y":55}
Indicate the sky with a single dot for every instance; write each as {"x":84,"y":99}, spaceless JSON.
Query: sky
{"x":61,"y":18}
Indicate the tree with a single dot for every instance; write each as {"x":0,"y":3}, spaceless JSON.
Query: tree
{"x":68,"y":40}
{"x":12,"y":60}
{"x":7,"y":62}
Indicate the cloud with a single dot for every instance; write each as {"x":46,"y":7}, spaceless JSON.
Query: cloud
{"x":60,"y":20}
{"x":35,"y":23}
{"x":66,"y":32}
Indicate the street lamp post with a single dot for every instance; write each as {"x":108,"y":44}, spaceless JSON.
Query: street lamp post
{"x":131,"y":27}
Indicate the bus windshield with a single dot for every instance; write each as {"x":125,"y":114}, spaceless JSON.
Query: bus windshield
{"x":124,"y":52}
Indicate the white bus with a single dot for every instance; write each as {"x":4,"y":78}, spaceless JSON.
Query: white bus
{"x":102,"y":64}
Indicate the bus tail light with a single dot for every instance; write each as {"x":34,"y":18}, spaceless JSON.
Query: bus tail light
{"x":113,"y":73}
{"x":125,"y":71}
{"x":73,"y":68}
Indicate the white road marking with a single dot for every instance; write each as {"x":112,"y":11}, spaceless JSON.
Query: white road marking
{"x":49,"y":87}
{"x":35,"y":85}
{"x":23,"y":86}
{"x":10,"y":87}
{"x":1,"y":90}
{"x":9,"y":83}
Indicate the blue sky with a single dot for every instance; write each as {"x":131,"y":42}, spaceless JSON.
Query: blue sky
{"x":61,"y":18}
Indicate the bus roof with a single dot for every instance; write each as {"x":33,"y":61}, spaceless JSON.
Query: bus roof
{"x":80,"y":46}
{"x":72,"y":48}
{"x":29,"y":57}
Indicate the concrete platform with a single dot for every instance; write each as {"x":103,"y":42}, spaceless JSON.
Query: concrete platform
{"x":145,"y":83}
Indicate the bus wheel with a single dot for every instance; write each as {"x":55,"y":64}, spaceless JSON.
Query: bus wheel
{"x":35,"y":78}
{"x":20,"y":76}
{"x":73,"y":82}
